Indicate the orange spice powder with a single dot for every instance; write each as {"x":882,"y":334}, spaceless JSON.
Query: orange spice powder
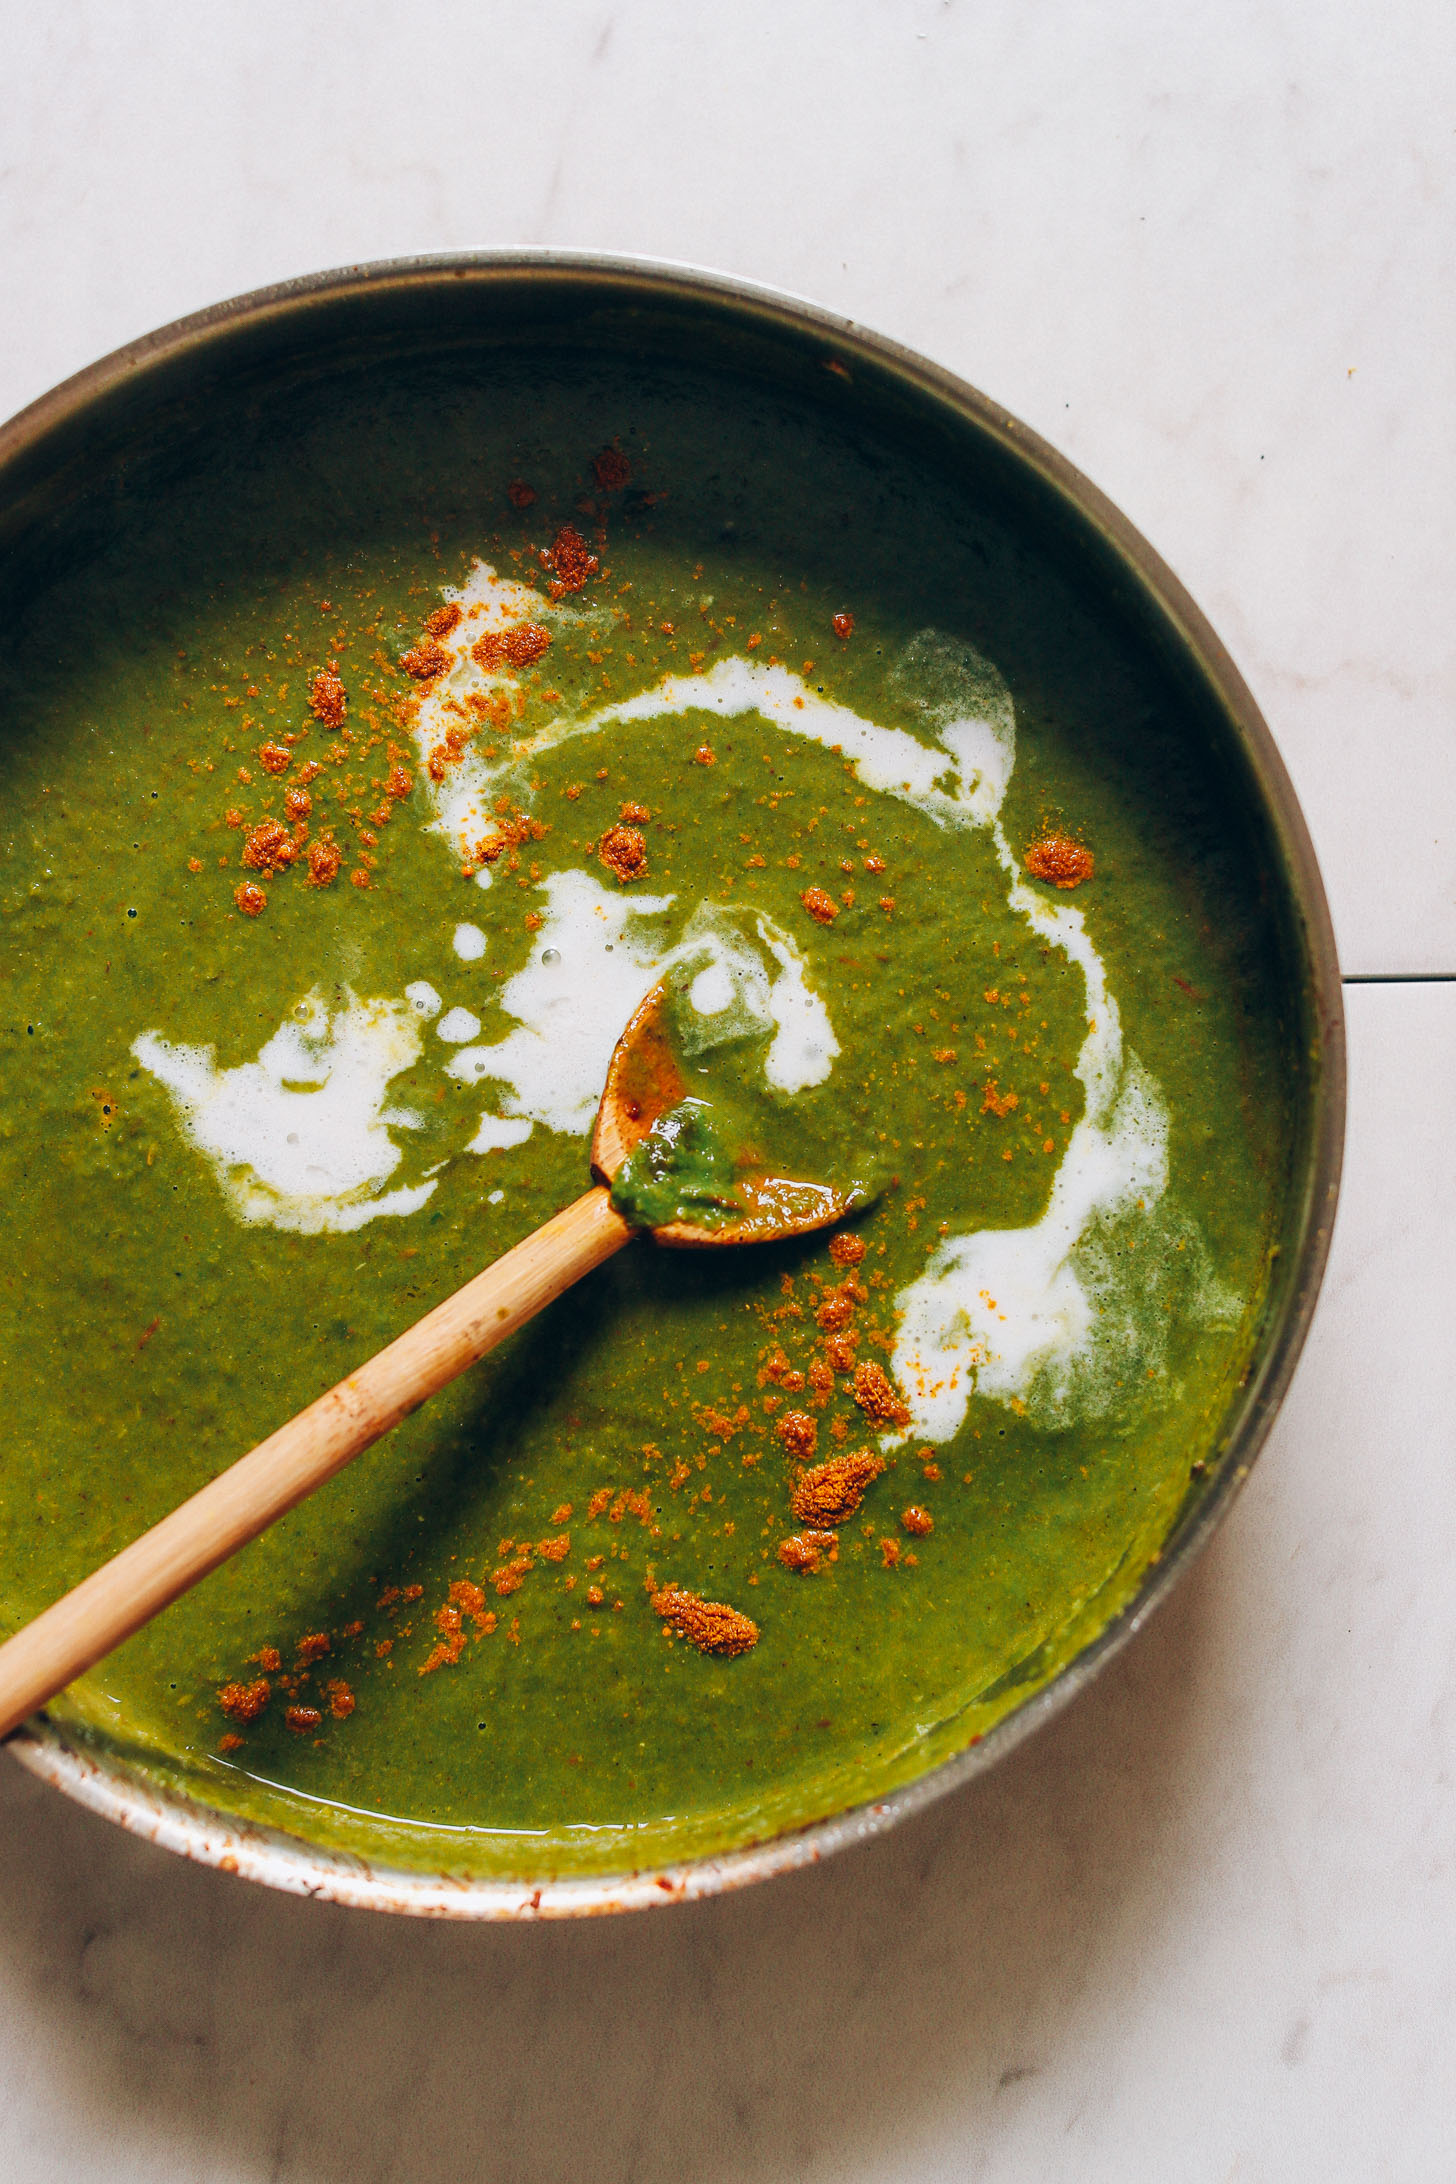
{"x":799,"y":1434}
{"x":425,"y":660}
{"x":327,"y":699}
{"x":570,"y":561}
{"x":711,"y":1625}
{"x":611,"y":469}
{"x":269,"y":847}
{"x":519,"y":647}
{"x":623,"y":851}
{"x":833,"y":1491}
{"x":245,"y":1702}
{"x":803,"y":1551}
{"x":836,"y":1311}
{"x":1056,"y":857}
{"x":875,"y":1394}
{"x":324,"y":859}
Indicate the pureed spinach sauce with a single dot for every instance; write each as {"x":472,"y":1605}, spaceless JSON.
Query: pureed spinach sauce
{"x":352,"y":798}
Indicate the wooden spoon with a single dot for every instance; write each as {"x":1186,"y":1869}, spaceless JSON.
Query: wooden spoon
{"x":643,"y":1082}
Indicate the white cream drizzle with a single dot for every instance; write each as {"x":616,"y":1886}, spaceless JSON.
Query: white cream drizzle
{"x":489,"y":604}
{"x":570,"y":1011}
{"x":737,"y":995}
{"x":597,"y":953}
{"x":962,"y":697}
{"x":999,"y":1310}
{"x":300,"y":1137}
{"x":1004,"y":1312}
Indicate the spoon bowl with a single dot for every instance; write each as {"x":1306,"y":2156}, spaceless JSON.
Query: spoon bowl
{"x":644,"y":1086}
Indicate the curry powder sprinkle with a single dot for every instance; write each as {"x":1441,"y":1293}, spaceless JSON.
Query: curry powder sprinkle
{"x":803,"y":1551}
{"x":799,"y":1434}
{"x":611,"y":469}
{"x":327,"y":699}
{"x":837,"y":1310}
{"x":519,"y":647}
{"x":570,"y":561}
{"x":466,"y":1595}
{"x":623,"y":851}
{"x":425,"y":660}
{"x":269,"y":847}
{"x":250,"y":900}
{"x":875,"y":1394}
{"x":245,"y":1702}
{"x":711,"y":1625}
{"x":833,"y":1491}
{"x":324,"y":859}
{"x":917,"y":1520}
{"x":845,"y":1248}
{"x":1056,"y":857}
{"x":822,"y":908}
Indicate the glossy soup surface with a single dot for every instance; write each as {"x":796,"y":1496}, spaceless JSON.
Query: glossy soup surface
{"x":310,"y":986}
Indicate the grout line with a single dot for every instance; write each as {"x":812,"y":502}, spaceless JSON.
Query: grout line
{"x":1398,"y":978}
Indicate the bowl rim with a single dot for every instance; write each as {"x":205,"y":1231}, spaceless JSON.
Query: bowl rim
{"x":289,"y":1863}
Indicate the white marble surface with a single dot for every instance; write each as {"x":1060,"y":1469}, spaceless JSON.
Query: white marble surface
{"x":1201,"y":1930}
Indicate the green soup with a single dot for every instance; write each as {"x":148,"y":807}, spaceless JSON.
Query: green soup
{"x":355,"y":789}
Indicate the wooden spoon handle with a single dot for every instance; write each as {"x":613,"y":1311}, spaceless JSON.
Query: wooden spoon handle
{"x":246,"y":1498}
